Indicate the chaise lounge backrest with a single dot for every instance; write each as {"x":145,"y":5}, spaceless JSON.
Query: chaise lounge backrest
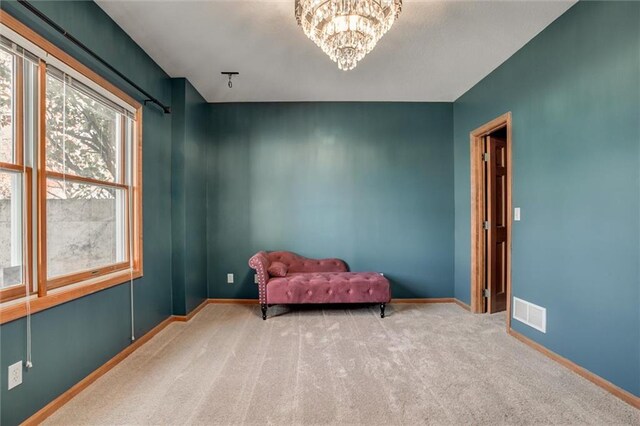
{"x":295,"y":264}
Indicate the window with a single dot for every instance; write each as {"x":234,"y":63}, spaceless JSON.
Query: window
{"x":88,"y":145}
{"x":14,"y":174}
{"x":70,"y":175}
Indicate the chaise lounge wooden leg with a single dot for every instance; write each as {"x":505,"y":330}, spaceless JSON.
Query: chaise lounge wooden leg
{"x":264,"y":311}
{"x":382,"y":306}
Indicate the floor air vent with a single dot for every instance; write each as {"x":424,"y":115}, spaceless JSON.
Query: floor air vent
{"x":530,"y":314}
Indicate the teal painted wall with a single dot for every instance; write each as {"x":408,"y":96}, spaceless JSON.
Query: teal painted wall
{"x":371,"y":183}
{"x":574,"y":92}
{"x":189,"y":135}
{"x":380,"y":185}
{"x":73,"y":339}
{"x":178,"y":196}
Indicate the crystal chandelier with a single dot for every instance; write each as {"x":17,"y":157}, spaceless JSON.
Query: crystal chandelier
{"x":346,"y":30}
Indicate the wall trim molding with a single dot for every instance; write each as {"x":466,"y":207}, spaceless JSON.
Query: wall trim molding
{"x":66,"y":396}
{"x":236,"y":301}
{"x":424,"y":300}
{"x":194,"y":311}
{"x":462,"y":304}
{"x":478,"y":243}
{"x":46,"y":411}
{"x":624,"y":395}
{"x":74,"y":390}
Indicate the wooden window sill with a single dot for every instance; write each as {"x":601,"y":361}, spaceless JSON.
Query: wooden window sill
{"x":16,"y":309}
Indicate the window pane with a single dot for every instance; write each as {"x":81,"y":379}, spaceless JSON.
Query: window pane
{"x":6,"y":107}
{"x":10,"y":228}
{"x":83,"y":135}
{"x":86,"y":227}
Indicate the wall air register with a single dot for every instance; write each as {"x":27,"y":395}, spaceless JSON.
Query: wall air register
{"x":533,"y":315}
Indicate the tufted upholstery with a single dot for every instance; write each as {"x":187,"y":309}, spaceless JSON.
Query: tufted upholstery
{"x":316,"y":281}
{"x":296,"y":263}
{"x":260,"y":263}
{"x":329,"y":287}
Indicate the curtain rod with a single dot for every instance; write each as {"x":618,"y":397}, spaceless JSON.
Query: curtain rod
{"x":165,"y":108}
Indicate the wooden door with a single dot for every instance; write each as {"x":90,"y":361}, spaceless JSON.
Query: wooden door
{"x":496,"y":223}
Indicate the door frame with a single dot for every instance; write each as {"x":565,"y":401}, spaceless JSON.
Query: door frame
{"x":477,"y":211}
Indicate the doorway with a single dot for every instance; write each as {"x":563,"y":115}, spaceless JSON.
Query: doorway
{"x":491,"y":220}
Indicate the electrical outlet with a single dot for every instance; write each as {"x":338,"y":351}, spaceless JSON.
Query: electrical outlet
{"x":15,"y":374}
{"x":229,"y":278}
{"x":255,"y":278}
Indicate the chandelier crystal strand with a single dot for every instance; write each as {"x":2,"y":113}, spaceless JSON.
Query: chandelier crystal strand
{"x":346,"y":30}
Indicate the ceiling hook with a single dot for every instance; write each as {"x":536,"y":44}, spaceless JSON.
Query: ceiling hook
{"x":230,"y":74}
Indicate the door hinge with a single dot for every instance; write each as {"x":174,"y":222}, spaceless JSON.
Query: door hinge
{"x":486,"y":293}
{"x":485,"y":157}
{"x":485,"y":224}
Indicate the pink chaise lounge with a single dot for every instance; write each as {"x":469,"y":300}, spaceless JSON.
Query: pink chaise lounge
{"x":286,"y":278}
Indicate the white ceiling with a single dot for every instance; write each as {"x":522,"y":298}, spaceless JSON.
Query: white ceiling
{"x":436,"y":50}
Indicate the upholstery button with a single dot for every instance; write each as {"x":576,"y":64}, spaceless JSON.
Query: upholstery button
{"x":329,"y":291}
{"x":349,"y":291}
{"x":370,"y":291}
{"x":309,"y":292}
{"x":289,"y":293}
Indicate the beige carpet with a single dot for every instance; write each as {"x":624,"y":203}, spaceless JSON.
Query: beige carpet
{"x":423,"y":364}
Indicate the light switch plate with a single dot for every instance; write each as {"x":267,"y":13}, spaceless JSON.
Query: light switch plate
{"x":516,"y":214}
{"x":229,"y":278}
{"x":15,"y":374}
